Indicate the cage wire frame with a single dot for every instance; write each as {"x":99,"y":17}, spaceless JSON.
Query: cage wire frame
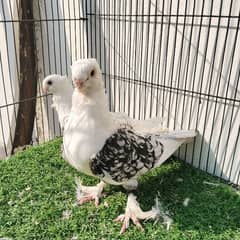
{"x":172,"y":59}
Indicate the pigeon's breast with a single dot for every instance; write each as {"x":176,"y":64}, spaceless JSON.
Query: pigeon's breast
{"x":81,"y":143}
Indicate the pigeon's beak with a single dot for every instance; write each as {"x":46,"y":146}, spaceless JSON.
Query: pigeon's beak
{"x":79,"y":82}
{"x":45,"y":89}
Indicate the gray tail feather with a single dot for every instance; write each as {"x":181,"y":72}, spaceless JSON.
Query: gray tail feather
{"x":181,"y":135}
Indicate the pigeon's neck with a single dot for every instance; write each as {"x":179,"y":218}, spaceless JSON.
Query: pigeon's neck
{"x":92,"y":107}
{"x":62,"y":103}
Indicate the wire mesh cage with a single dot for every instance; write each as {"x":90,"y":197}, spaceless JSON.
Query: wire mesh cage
{"x":173,"y":59}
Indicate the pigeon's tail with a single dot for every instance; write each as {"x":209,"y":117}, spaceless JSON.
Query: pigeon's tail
{"x":168,"y":142}
{"x":183,"y":136}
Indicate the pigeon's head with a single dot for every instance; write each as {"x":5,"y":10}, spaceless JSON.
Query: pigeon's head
{"x":86,"y":75}
{"x":56,"y":84}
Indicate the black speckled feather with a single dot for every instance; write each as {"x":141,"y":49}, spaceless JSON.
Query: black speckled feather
{"x":124,"y":154}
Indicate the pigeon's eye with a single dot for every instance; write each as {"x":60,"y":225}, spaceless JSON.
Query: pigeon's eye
{"x":49,"y":82}
{"x":92,"y":73}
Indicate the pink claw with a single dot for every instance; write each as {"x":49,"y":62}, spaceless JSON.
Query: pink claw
{"x":86,"y":199}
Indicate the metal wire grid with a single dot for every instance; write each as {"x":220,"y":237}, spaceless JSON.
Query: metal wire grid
{"x":50,"y":18}
{"x":152,"y":55}
{"x":174,"y":59}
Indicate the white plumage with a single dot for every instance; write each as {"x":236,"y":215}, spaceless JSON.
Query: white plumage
{"x":96,"y":144}
{"x":61,"y":88}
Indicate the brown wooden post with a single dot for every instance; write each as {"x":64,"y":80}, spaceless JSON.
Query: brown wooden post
{"x":28,"y":77}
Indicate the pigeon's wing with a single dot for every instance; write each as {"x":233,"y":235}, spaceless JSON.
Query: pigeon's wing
{"x":147,"y":126}
{"x":125,"y":155}
{"x":121,"y":119}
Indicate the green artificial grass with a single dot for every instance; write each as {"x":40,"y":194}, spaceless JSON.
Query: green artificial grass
{"x":37,"y":186}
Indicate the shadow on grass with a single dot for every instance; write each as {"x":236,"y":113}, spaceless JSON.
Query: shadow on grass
{"x":214,"y":208}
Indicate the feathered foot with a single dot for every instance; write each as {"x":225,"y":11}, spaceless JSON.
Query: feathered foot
{"x":86,"y":194}
{"x":135,"y":213}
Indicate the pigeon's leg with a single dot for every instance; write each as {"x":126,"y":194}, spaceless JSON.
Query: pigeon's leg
{"x":91,"y":193}
{"x":131,"y":185}
{"x":135,"y":213}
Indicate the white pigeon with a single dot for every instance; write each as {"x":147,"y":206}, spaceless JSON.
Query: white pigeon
{"x":97,"y":145}
{"x":62,"y":89}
